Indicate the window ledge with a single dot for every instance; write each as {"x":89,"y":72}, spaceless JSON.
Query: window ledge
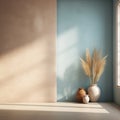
{"x":59,"y":107}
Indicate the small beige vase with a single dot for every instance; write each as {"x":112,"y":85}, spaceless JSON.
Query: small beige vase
{"x":94,"y":92}
{"x":86,"y":99}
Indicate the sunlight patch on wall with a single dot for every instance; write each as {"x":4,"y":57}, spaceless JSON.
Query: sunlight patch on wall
{"x":67,"y":50}
{"x":27,"y":51}
{"x":25,"y":72}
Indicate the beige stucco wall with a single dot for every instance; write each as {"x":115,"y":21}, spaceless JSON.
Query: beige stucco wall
{"x":27,"y":51}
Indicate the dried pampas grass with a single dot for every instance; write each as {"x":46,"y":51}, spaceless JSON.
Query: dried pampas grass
{"x":93,"y":66}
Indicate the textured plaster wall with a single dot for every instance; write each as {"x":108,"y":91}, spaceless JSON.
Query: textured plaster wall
{"x":83,"y":24}
{"x":27,"y":51}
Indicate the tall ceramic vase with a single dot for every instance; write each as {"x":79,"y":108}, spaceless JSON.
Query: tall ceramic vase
{"x":94,"y":92}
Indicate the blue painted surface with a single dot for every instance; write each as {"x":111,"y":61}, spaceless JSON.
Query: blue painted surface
{"x":83,"y":24}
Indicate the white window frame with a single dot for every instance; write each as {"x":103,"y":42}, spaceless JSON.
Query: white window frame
{"x":118,"y":41}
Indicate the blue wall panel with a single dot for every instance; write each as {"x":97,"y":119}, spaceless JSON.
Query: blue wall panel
{"x":83,"y":24}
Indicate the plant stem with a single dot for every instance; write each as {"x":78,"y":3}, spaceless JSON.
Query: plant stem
{"x":91,"y":80}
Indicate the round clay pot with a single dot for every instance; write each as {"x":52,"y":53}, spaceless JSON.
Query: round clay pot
{"x":80,"y":94}
{"x":94,"y":92}
{"x":86,"y":99}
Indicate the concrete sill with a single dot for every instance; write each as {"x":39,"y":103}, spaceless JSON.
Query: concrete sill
{"x":59,"y":107}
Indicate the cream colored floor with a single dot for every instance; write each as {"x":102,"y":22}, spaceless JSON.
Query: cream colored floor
{"x":60,"y":111}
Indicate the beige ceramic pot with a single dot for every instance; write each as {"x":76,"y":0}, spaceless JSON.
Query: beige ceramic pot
{"x":86,"y":99}
{"x":94,"y":92}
